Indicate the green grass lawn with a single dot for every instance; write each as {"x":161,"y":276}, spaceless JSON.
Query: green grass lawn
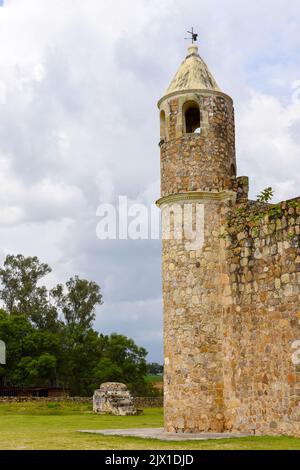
{"x":154,"y":378}
{"x":54,"y":426}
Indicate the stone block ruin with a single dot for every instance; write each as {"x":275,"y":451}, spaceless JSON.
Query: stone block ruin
{"x":114,"y":398}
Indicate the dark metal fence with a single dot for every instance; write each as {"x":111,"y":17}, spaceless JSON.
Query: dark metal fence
{"x":32,"y":392}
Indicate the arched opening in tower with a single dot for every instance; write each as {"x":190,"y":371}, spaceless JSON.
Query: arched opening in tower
{"x":192,"y":118}
{"x":162,"y":125}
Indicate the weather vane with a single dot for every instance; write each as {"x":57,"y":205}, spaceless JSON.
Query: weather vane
{"x":194,"y":36}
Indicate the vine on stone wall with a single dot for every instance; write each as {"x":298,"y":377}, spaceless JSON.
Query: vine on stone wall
{"x":248,"y":218}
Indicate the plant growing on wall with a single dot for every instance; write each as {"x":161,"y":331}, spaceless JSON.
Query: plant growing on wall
{"x":266,"y":195}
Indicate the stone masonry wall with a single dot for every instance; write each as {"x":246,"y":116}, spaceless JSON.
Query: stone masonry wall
{"x":139,"y":402}
{"x":193,"y":293}
{"x":231,"y":316}
{"x":262,"y":385}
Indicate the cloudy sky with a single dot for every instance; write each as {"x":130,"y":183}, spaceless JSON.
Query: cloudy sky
{"x":79,"y":82}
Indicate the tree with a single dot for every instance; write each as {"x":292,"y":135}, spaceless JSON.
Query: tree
{"x":154,"y":368}
{"x":21,"y":293}
{"x":77,"y":302}
{"x":49,"y":335}
{"x":31,"y":353}
{"x":82,"y":350}
{"x":128,"y":360}
{"x":40,"y":371}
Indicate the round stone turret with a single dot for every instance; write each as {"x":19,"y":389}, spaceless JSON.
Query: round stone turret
{"x":198,"y":182}
{"x":197,"y":132}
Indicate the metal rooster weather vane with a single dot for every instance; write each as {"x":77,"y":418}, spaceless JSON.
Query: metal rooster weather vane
{"x":194,"y":36}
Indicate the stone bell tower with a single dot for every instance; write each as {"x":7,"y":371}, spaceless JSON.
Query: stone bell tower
{"x":198,"y":169}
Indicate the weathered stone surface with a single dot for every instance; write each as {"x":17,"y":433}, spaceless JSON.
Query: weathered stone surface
{"x":262,"y":323}
{"x":192,"y":74}
{"x":114,"y":398}
{"x":199,"y":162}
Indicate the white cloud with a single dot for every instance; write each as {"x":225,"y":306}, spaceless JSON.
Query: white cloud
{"x":41,"y":201}
{"x":269,"y":151}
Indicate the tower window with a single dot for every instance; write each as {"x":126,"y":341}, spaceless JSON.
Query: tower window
{"x":162,"y":125}
{"x":192,"y":117}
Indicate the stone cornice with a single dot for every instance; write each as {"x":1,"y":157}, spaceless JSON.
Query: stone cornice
{"x":196,"y":91}
{"x":201,"y":197}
